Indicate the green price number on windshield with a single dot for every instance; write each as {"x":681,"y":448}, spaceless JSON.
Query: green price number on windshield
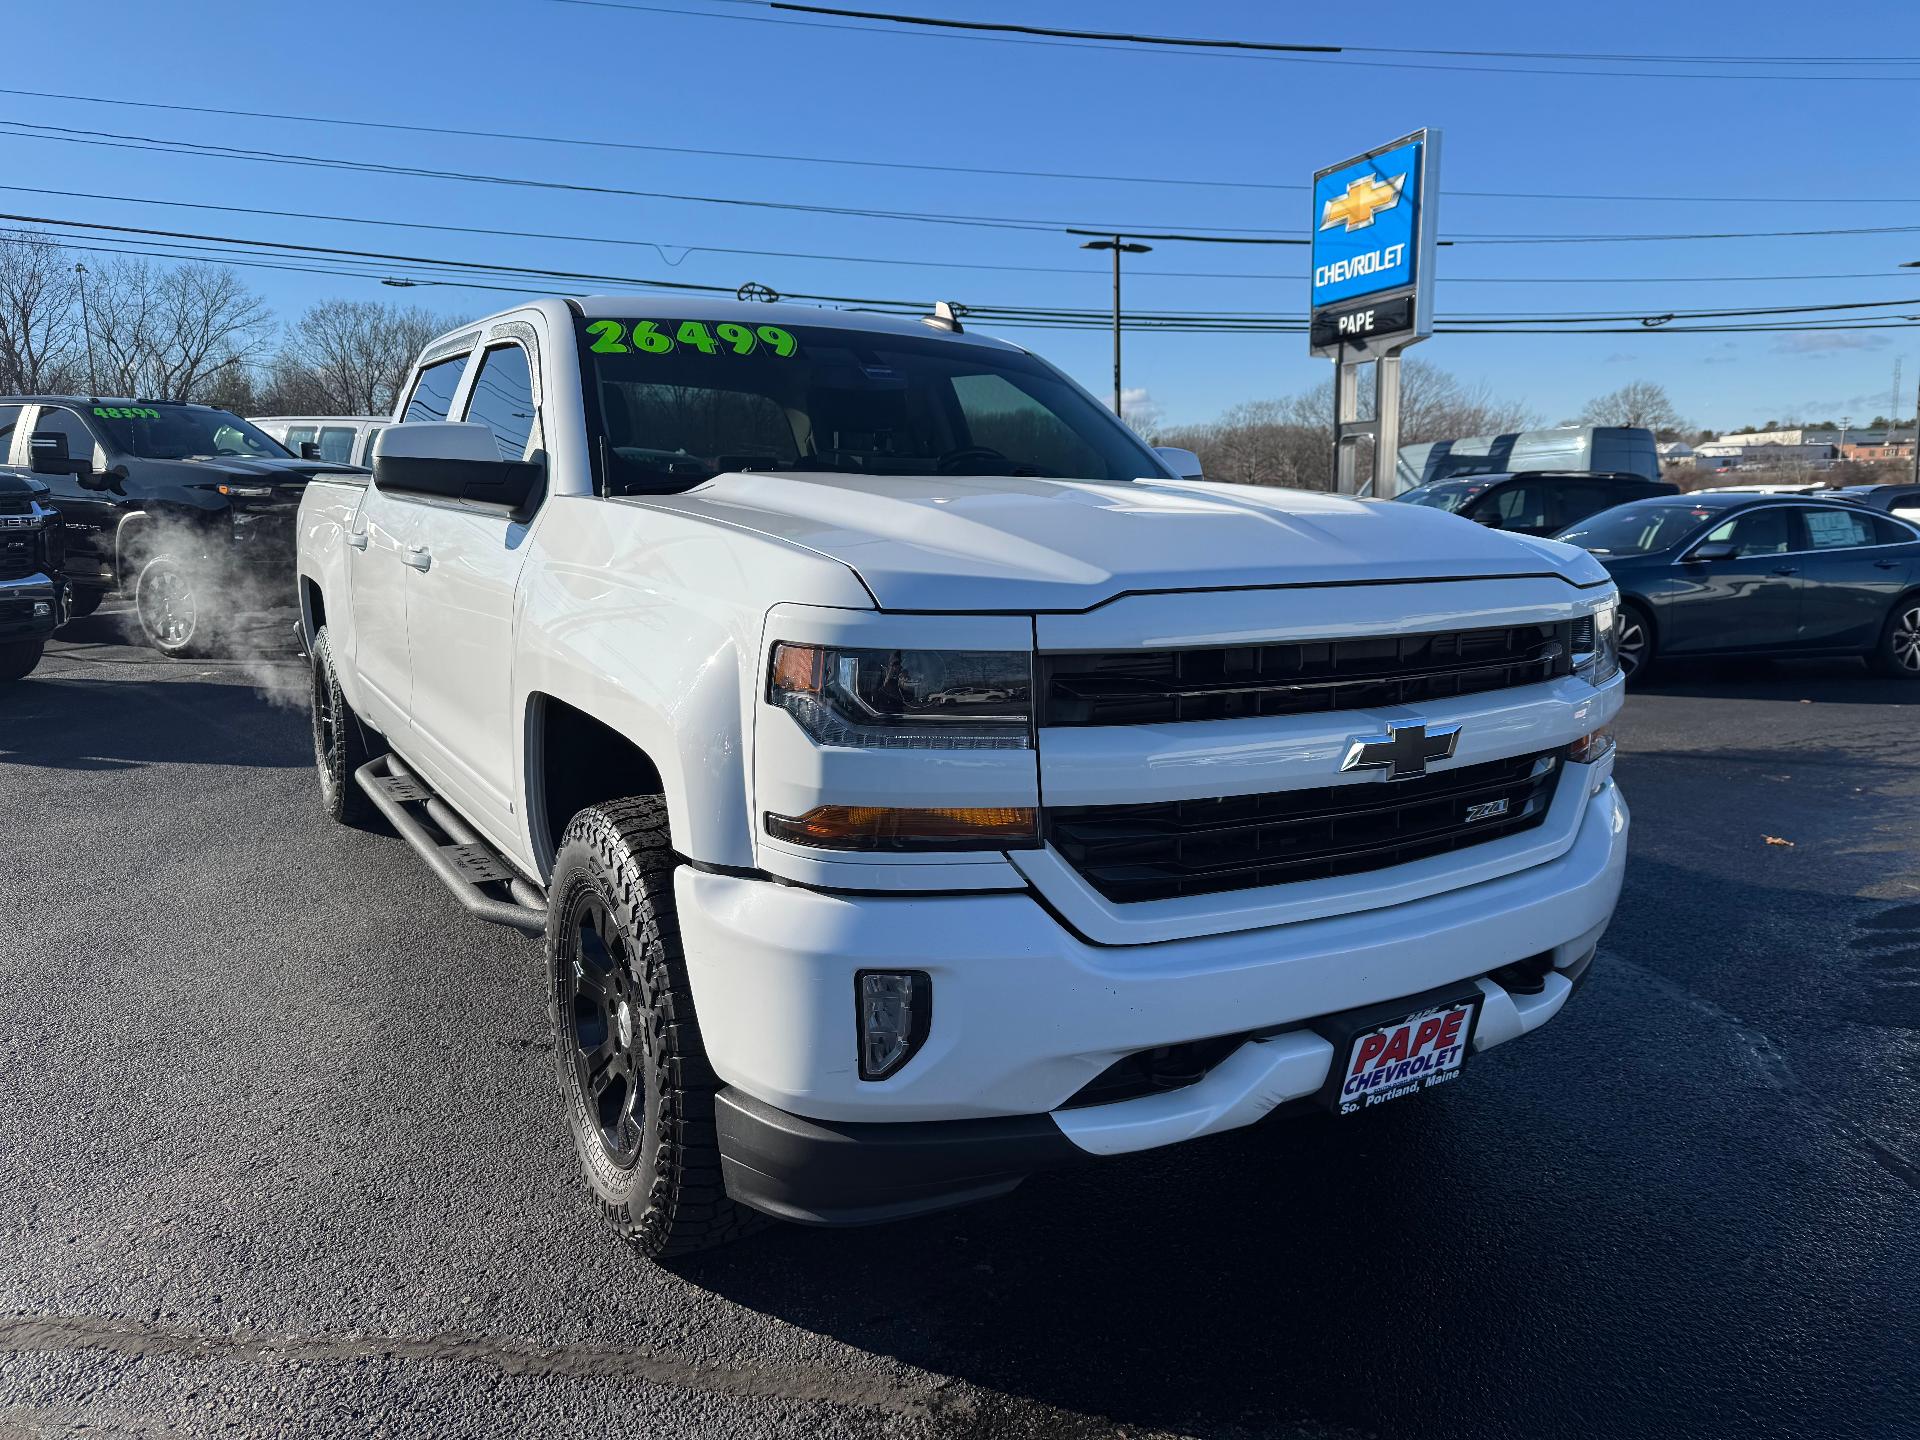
{"x":661,"y":337}
{"x":126,"y":412}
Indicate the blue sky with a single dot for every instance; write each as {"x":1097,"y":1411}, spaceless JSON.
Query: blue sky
{"x":1836,"y":150}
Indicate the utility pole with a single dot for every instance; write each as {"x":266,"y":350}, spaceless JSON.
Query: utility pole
{"x":1119,"y":245}
{"x":86,"y":328}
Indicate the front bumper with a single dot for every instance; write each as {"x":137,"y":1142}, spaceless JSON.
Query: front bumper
{"x":1026,"y":1013}
{"x":29,"y":608}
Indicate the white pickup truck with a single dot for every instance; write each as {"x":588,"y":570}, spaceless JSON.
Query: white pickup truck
{"x":917,"y":782}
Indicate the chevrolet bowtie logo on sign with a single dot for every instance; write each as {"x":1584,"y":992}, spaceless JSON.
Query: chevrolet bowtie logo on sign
{"x":1365,"y":198}
{"x":1404,"y":751}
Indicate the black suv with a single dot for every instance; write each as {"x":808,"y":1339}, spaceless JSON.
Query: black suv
{"x":188,"y":509}
{"x":29,"y":569}
{"x":1536,"y":502}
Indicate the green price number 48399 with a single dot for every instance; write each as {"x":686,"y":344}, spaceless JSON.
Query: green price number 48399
{"x":660,"y":337}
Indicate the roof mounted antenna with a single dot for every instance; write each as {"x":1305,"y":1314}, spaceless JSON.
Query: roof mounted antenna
{"x":946,"y":316}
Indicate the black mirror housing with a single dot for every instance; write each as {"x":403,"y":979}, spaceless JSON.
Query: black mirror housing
{"x":310,"y":450}
{"x":513,"y":484}
{"x":1724,"y":550}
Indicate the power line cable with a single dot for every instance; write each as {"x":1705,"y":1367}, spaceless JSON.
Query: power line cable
{"x":904,"y":26}
{"x":468,"y":133}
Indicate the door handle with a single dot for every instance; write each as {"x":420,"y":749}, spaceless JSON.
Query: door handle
{"x":1887,"y":564}
{"x":357,"y":539}
{"x":1787,"y":570}
{"x":419,"y":557}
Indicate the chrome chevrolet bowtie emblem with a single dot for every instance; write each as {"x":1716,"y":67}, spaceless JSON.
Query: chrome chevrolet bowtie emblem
{"x":1404,"y":750}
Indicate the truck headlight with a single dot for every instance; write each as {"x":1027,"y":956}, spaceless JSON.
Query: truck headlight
{"x":888,"y":699}
{"x":1596,"y":644}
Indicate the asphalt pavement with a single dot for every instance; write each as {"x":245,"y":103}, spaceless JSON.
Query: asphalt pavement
{"x":280,"y":1152}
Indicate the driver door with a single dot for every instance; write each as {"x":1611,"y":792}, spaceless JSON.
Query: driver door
{"x":88,"y":518}
{"x":1749,"y":600}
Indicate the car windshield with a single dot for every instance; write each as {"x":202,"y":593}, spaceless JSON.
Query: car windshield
{"x":678,"y":402}
{"x":183,"y":432}
{"x":1447,"y":495}
{"x":1637,"y":529}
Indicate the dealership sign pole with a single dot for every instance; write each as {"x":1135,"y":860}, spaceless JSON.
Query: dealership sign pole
{"x":1373,"y":242}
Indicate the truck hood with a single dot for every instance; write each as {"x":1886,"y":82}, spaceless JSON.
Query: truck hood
{"x":973,"y":543}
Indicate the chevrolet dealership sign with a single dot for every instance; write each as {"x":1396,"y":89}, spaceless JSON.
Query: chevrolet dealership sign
{"x":1373,"y":247}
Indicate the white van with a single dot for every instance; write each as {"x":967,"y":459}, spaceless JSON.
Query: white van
{"x":338,"y":439}
{"x":1614,"y":449}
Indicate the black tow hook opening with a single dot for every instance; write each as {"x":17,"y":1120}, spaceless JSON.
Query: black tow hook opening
{"x":1525,"y":977}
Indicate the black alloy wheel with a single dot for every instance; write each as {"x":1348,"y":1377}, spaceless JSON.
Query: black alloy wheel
{"x":341,"y":744}
{"x":611,"y":1042}
{"x":635,"y":1085}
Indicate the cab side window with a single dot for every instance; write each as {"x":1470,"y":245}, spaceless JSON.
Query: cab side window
{"x":502,"y":400}
{"x":65,"y":424}
{"x":296,"y":436}
{"x":336,"y":444}
{"x":432,"y":397}
{"x":1761,"y":532}
{"x":9,"y":422}
{"x":1514,"y":507}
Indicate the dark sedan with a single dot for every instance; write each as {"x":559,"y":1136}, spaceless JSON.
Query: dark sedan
{"x":1745,"y":574}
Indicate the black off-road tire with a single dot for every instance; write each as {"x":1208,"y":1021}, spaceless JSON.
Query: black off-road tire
{"x":175,"y":615}
{"x":1634,"y":621}
{"x":1898,"y":653}
{"x":341,"y":743}
{"x":640,"y":1110}
{"x":18,"y":657}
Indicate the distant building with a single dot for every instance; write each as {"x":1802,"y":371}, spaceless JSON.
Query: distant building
{"x":1797,"y":436}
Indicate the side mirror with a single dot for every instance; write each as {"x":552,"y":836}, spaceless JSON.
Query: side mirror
{"x":310,"y":450}
{"x":1723,"y":550}
{"x":453,"y":460}
{"x":1183,"y":463}
{"x":50,"y":457}
{"x":1488,"y":518}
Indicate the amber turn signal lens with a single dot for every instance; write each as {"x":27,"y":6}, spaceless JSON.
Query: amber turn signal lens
{"x":877,"y":827}
{"x":1589,"y":748}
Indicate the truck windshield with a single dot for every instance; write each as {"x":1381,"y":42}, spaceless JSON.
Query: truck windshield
{"x":1448,"y":495}
{"x":183,"y":432}
{"x":678,"y":402}
{"x":1636,"y":529}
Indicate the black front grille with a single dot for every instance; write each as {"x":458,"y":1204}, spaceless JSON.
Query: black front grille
{"x":20,"y":554}
{"x":1150,"y":687}
{"x":1200,"y":847}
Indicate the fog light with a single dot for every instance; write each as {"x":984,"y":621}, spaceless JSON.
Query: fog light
{"x":41,"y":609}
{"x":895,"y":1009}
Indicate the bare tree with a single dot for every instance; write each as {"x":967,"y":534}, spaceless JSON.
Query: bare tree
{"x":173,"y":334}
{"x":1290,"y":441}
{"x":350,"y":357}
{"x":40,"y":339}
{"x":1641,"y":403}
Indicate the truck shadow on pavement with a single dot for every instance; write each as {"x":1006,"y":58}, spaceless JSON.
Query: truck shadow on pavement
{"x":71,"y":721}
{"x":1595,"y":1194}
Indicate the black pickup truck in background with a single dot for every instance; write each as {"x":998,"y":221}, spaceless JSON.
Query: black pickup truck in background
{"x":187,"y":509}
{"x":30,"y":603}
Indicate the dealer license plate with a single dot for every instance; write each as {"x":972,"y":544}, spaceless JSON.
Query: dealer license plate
{"x":1426,"y":1049}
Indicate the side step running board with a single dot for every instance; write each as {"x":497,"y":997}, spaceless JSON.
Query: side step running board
{"x":465,"y":863}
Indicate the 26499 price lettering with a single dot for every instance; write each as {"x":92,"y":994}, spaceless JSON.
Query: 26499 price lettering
{"x":658,"y":337}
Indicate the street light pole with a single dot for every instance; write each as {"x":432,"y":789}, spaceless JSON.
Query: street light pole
{"x":86,"y":328}
{"x":1118,"y":245}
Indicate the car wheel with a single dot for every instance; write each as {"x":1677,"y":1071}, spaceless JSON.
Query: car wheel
{"x":173,"y":615}
{"x":634,"y":1079}
{"x":1637,"y":645}
{"x":1898,"y":653}
{"x":341,"y":743}
{"x":18,"y":658}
